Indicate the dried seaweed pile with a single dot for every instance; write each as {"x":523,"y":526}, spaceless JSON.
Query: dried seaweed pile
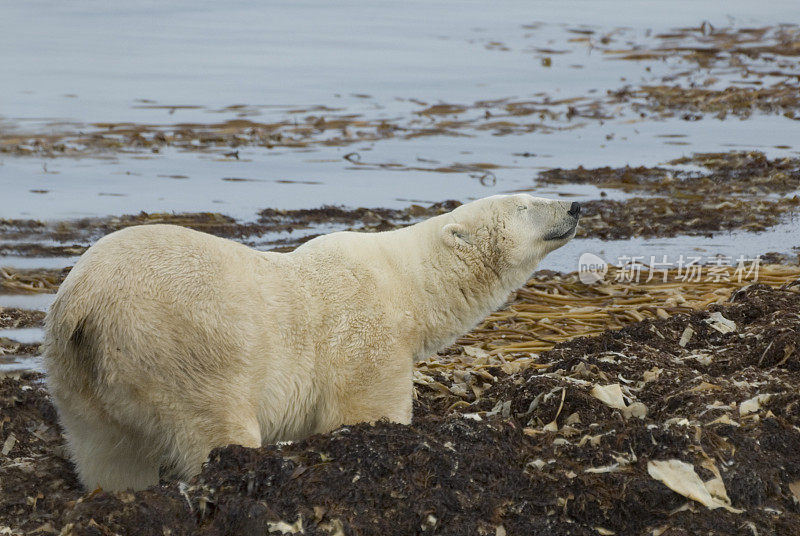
{"x":735,"y":173}
{"x":298,"y":129}
{"x":736,"y":191}
{"x":14,"y":280}
{"x":11,"y":348}
{"x":36,"y":481}
{"x":13,"y":318}
{"x":553,"y":308}
{"x":73,"y":237}
{"x":687,"y":214}
{"x":705,"y":45}
{"x":662,"y":217}
{"x":764,"y":58}
{"x":684,"y":425}
{"x":739,"y":101}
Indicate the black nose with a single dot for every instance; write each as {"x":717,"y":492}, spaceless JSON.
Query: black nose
{"x":574,"y":209}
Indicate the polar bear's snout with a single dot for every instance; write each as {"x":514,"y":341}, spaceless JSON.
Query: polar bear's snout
{"x":565,"y":225}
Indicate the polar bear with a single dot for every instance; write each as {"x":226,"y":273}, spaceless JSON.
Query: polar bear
{"x":164,"y":342}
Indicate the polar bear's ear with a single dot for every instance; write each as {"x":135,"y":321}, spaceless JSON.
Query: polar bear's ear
{"x":455,"y":234}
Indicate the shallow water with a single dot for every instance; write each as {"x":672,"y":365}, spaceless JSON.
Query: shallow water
{"x":150,"y":63}
{"x":14,"y":363}
{"x":292,"y":179}
{"x":36,"y":302}
{"x":87,"y":61}
{"x":13,"y":261}
{"x":23,"y":335}
{"x":727,"y":246}
{"x":21,"y":364}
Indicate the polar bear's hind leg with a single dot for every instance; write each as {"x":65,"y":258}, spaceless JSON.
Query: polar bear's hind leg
{"x":107,"y":457}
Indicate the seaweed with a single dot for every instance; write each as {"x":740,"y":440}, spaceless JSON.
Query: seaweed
{"x":607,"y":436}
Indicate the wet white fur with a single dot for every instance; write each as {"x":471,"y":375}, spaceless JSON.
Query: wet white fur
{"x":164,"y":342}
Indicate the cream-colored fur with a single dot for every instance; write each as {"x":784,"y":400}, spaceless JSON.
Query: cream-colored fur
{"x":164,"y":342}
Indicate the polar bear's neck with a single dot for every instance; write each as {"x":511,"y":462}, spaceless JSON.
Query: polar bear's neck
{"x":445,"y":294}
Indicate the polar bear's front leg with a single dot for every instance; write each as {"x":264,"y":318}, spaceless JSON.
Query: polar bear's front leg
{"x":193,"y":440}
{"x":383,"y":393}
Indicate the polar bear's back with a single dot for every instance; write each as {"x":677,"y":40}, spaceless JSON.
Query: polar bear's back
{"x":150,"y":272}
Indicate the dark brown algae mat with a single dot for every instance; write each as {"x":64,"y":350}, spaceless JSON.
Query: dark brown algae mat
{"x":674,"y":426}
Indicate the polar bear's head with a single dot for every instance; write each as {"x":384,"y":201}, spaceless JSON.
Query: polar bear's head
{"x":510,"y":232}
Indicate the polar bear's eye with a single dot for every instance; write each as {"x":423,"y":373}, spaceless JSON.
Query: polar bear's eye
{"x":522,"y":207}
